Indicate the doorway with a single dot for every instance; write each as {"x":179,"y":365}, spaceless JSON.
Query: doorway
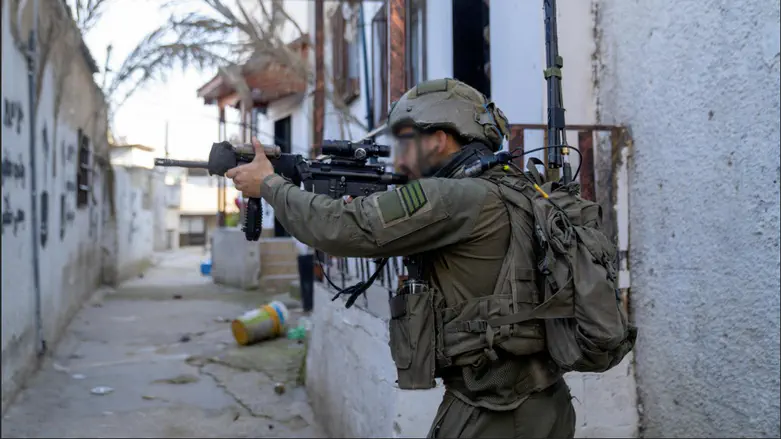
{"x":282,"y":138}
{"x":472,"y":60}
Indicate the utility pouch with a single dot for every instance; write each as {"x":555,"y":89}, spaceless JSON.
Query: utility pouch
{"x":412,"y":339}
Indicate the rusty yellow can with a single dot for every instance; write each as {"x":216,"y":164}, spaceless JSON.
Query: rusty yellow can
{"x":263,"y":323}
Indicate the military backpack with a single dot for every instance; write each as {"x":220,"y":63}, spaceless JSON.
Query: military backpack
{"x":586,"y":325}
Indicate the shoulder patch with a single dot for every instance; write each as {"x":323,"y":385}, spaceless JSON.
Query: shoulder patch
{"x":401,"y":203}
{"x":413,"y":197}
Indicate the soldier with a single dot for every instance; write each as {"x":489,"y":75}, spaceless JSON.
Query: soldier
{"x":479,"y":265}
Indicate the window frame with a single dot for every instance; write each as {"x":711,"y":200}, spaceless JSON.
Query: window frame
{"x":418,"y":23}
{"x":380,"y":64}
{"x":83,"y":171}
{"x":345,"y":86}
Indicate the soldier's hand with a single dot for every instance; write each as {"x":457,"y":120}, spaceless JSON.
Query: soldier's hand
{"x":248,"y":178}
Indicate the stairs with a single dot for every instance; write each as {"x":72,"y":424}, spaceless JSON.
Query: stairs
{"x":278,"y":262}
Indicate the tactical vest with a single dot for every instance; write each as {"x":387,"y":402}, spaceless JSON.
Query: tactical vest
{"x":496,"y":367}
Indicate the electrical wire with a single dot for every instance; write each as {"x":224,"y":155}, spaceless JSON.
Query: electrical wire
{"x":542,"y":148}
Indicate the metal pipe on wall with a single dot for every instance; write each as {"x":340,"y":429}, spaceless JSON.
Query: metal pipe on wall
{"x":32,"y":67}
{"x":369,"y":101}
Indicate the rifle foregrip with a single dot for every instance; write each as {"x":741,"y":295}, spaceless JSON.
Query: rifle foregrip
{"x":253,"y":219}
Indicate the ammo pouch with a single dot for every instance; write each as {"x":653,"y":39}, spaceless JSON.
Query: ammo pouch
{"x":413,"y":339}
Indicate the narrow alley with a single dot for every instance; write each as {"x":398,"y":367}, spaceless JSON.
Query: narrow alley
{"x":156,"y":358}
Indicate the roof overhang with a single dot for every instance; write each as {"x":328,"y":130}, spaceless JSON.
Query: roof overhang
{"x":268,"y":81}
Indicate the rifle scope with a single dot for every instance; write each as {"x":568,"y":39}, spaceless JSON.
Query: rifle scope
{"x":353,"y":150}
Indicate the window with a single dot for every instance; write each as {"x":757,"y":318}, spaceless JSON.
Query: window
{"x":416,"y":49}
{"x":380,"y":64}
{"x":471,"y":31}
{"x":83,"y":171}
{"x":345,"y":46}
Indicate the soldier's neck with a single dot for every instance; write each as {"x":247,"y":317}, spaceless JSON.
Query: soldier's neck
{"x":454,"y":164}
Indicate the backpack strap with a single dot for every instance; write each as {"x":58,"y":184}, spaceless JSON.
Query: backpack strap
{"x":531,"y":166}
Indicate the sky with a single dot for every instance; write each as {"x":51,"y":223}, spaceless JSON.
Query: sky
{"x":192,"y":126}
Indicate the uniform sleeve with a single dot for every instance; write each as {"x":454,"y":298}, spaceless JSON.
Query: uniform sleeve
{"x":417,"y":217}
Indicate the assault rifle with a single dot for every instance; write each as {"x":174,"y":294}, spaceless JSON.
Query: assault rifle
{"x":344,"y":170}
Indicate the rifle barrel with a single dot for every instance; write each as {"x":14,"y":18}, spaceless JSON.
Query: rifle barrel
{"x":181,"y":163}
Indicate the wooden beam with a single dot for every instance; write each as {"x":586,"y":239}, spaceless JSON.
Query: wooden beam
{"x":516,"y":143}
{"x":586,"y":147}
{"x":318,"y":109}
{"x":397,"y":41}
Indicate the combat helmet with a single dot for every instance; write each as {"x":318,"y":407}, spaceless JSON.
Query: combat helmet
{"x":451,"y":105}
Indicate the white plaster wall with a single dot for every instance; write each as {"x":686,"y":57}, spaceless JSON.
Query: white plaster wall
{"x":350,"y":375}
{"x":159,"y":210}
{"x":698,"y":84}
{"x":68,"y":237}
{"x":135,"y":225}
{"x":516,"y":66}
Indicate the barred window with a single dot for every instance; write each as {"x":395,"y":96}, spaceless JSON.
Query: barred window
{"x":83,"y":172}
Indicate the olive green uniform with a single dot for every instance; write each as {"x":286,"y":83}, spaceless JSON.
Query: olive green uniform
{"x":462,"y":226}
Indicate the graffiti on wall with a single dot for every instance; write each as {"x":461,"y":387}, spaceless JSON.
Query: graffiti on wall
{"x":13,"y":170}
{"x":45,"y":192}
{"x":67,"y":201}
{"x":14,"y":115}
{"x":11,"y":218}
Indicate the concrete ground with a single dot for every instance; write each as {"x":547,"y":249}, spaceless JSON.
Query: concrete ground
{"x":161,"y":345}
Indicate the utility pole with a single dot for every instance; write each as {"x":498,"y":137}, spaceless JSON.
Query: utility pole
{"x":166,"y":139}
{"x":105,"y":68}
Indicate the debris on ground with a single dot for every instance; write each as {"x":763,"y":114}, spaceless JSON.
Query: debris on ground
{"x":260,"y":324}
{"x":279,"y":388}
{"x":177,"y":296}
{"x":185,"y":338}
{"x":101,"y":390}
{"x":181,"y":379}
{"x":300,"y":331}
{"x":78,"y":376}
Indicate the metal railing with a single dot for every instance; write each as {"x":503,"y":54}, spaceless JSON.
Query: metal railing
{"x":345,"y":272}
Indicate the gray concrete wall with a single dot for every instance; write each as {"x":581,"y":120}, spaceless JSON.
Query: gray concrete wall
{"x":67,"y":235}
{"x":138,"y":209}
{"x":698,"y":83}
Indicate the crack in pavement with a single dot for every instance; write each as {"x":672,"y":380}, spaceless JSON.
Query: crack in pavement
{"x":233,"y":396}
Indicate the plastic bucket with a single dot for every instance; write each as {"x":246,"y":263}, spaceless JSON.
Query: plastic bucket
{"x":259,"y":324}
{"x":206,"y":268}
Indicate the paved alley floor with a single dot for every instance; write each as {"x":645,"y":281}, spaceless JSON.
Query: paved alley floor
{"x":160,"y":346}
